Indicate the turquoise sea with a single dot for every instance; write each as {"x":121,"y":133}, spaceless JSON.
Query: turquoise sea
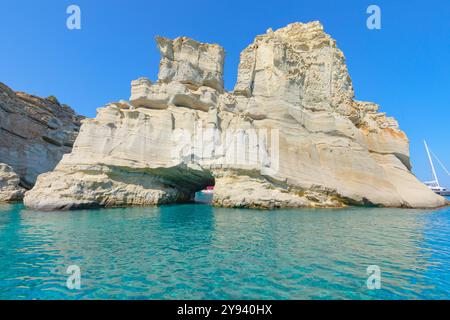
{"x":195,"y":251}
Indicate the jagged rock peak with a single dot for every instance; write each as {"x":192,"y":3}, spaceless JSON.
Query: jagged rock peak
{"x":301,"y":32}
{"x":191,"y":62}
{"x":299,"y":64}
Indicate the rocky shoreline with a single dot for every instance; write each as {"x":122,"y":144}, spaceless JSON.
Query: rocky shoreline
{"x":34,"y":135}
{"x":290,"y":135}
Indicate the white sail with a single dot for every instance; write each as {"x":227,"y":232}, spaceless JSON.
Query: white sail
{"x":432,"y":165}
{"x":434,"y":185}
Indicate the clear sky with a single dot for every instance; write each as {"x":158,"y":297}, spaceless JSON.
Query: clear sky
{"x":404,"y":67}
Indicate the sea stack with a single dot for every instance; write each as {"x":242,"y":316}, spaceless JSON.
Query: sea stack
{"x":291,"y":134}
{"x":34,"y":135}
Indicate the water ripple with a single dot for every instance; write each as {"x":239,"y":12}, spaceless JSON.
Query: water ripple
{"x":200,"y":252}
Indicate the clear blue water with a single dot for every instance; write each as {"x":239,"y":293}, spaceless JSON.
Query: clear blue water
{"x":195,"y":251}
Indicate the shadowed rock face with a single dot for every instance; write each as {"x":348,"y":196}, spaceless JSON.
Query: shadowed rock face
{"x":290,"y":135}
{"x":34,"y":135}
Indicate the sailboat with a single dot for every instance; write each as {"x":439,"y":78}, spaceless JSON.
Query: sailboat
{"x":434,"y":185}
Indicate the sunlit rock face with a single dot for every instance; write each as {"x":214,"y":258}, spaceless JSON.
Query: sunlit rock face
{"x":10,"y":190}
{"x":190,"y":62}
{"x":34,"y":135}
{"x":289,"y":135}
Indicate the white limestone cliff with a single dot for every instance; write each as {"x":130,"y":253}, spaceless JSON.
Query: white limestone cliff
{"x":290,"y":135}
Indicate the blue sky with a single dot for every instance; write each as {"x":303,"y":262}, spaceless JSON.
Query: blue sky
{"x":404,"y":67}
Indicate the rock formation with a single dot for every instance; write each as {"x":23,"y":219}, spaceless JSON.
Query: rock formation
{"x":10,"y":190}
{"x":290,"y":135}
{"x":34,"y":135}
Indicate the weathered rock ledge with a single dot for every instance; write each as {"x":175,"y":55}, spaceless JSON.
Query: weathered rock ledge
{"x":34,"y":135}
{"x":289,"y":135}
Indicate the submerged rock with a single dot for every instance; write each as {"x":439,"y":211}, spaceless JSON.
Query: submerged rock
{"x":289,"y":135}
{"x":34,"y":134}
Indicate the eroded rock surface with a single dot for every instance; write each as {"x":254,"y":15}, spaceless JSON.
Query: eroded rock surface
{"x":10,"y":190}
{"x":34,"y":134}
{"x":290,"y":135}
{"x":191,"y":62}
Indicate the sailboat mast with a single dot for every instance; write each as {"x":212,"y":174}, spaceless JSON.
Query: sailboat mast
{"x":431,"y":163}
